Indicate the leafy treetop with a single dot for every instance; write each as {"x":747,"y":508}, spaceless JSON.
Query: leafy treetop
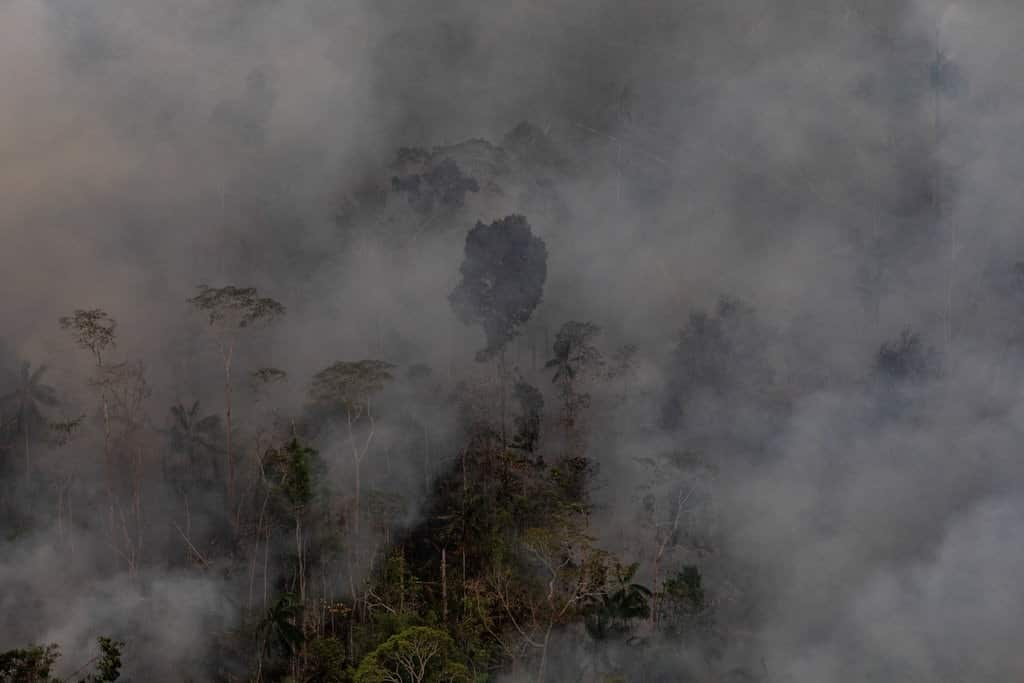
{"x":350,"y":383}
{"x":236,"y":306}
{"x":92,"y":329}
{"x":503,"y":274}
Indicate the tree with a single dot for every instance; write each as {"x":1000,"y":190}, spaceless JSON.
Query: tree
{"x":574,"y":353}
{"x":327,"y":657}
{"x":720,"y":372}
{"x":573,"y":574}
{"x":503,"y":274}
{"x":350,"y":386}
{"x":684,"y":597}
{"x":92,"y":329}
{"x":906,"y":359}
{"x":230,"y":309}
{"x":419,"y":654}
{"x":528,"y":423}
{"x":622,"y":367}
{"x":108,"y":666}
{"x":292,"y":468}
{"x":190,"y":436}
{"x":28,"y":665}
{"x":443,"y":184}
{"x":33,"y":664}
{"x":534,"y":148}
{"x":95,"y":331}
{"x":124,"y":388}
{"x":28,"y":398}
{"x":191,"y":433}
{"x":278,"y":630}
{"x":613,"y":612}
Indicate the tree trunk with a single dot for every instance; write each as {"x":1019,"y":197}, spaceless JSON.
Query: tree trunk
{"x":444,"y":585}
{"x":544,"y":654}
{"x":227,"y":353}
{"x":501,"y":384}
{"x":28,"y":455}
{"x":426,"y":460}
{"x":358,"y":485}
{"x":464,"y":527}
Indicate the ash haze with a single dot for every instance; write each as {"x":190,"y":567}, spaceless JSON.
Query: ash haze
{"x":762,"y":424}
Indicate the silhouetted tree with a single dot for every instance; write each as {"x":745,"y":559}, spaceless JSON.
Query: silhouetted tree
{"x":350,"y":386}
{"x":574,"y":353}
{"x":612,"y":612}
{"x":441,"y":185}
{"x":906,"y":358}
{"x":719,"y":364}
{"x":230,"y":309}
{"x":29,"y":398}
{"x":503,"y":274}
{"x":528,"y":422}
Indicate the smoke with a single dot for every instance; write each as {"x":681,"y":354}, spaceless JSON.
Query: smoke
{"x":846,"y":169}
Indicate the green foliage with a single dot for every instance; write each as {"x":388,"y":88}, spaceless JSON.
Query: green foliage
{"x":29,"y":664}
{"x":294,"y":466}
{"x":108,"y":668}
{"x":613,"y":612}
{"x":34,"y":664}
{"x":279,"y":628}
{"x":687,"y":587}
{"x":419,"y":654}
{"x":327,"y":661}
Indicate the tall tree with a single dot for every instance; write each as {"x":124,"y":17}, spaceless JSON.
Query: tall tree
{"x":229,"y":310}
{"x":292,"y":471}
{"x":194,"y":441}
{"x":574,"y":353}
{"x":125,"y":390}
{"x":190,"y":433}
{"x":613,"y":610}
{"x":504,"y":269}
{"x":93,"y":330}
{"x":503,"y":274}
{"x":28,"y":398}
{"x":350,"y":387}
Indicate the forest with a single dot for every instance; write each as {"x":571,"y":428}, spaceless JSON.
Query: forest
{"x":382,"y":342}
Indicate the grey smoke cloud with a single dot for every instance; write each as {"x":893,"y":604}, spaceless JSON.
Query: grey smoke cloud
{"x":772,"y":150}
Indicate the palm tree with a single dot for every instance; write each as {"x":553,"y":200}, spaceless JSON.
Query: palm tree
{"x":613,"y":612}
{"x":28,"y":397}
{"x":190,"y":434}
{"x":278,"y":631}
